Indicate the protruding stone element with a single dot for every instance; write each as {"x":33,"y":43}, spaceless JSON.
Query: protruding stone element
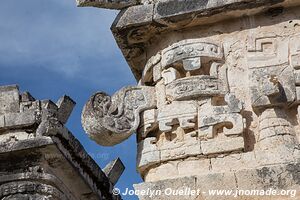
{"x":114,"y":170}
{"x":111,"y":120}
{"x":110,"y":4}
{"x":9,"y":99}
{"x":65,"y":107}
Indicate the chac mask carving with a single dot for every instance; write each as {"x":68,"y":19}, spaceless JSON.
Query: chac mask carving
{"x":184,"y":107}
{"x":183,"y":97}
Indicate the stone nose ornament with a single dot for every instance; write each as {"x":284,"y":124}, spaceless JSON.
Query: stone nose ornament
{"x":109,"y":120}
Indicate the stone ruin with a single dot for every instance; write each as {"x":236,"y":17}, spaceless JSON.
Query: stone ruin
{"x":40,"y":159}
{"x":217,"y":100}
{"x":216,"y":107}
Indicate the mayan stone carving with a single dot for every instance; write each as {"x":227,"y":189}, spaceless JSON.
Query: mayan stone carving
{"x":224,"y":85}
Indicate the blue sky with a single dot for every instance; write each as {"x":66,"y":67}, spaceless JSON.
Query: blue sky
{"x":52,"y":48}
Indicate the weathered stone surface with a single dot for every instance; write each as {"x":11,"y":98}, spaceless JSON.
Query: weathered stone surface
{"x":110,"y":120}
{"x":9,"y":99}
{"x":222,"y":145}
{"x":40,"y":158}
{"x":227,"y":92}
{"x":179,"y":112}
{"x":114,"y":4}
{"x":114,"y":170}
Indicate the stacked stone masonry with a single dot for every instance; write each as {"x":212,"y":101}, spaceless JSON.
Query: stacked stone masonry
{"x":217,"y":100}
{"x":39,"y":157}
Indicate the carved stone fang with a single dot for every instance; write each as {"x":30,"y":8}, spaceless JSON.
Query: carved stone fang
{"x":111,"y":120}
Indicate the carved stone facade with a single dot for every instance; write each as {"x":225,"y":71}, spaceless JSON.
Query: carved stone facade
{"x":40,"y":159}
{"x":218,"y":95}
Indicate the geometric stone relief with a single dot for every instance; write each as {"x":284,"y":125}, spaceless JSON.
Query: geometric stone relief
{"x":266,"y":50}
{"x":195,"y":86}
{"x":221,"y":127}
{"x":183,"y":113}
{"x":273,"y":63}
{"x":192,"y":53}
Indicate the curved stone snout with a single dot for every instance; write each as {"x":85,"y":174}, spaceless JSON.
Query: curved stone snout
{"x":111,"y":120}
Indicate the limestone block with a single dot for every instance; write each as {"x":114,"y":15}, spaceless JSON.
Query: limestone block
{"x":170,"y":75}
{"x":26,"y":96}
{"x":9,"y":99}
{"x":33,"y":106}
{"x":266,"y":50}
{"x":180,"y":150}
{"x":211,"y":118}
{"x":65,"y":107}
{"x":298,"y":94}
{"x":148,"y":154}
{"x":17,"y":120}
{"x":263,"y":77}
{"x":189,"y":52}
{"x":162,"y":171}
{"x":233,"y":162}
{"x":174,"y":184}
{"x":152,"y":70}
{"x":195,"y":166}
{"x":191,"y":64}
{"x":160,"y":93}
{"x":297,"y":77}
{"x":222,"y":145}
{"x":195,"y":87}
{"x":215,"y":181}
{"x":2,"y":121}
{"x":295,"y":51}
{"x":178,"y":112}
{"x":114,"y":4}
{"x":134,"y":16}
{"x":157,"y":69}
{"x":295,"y":59}
{"x":148,"y":122}
{"x":276,"y":177}
{"x":114,"y":170}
